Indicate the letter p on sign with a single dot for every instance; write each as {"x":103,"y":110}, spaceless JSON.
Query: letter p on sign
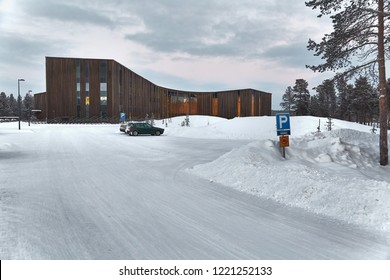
{"x":282,"y":120}
{"x":283,"y":124}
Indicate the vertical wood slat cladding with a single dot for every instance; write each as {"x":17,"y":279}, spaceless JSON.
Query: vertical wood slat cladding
{"x":137,"y":97}
{"x":61,"y":82}
{"x":40,"y":104}
{"x":245,"y":103}
{"x":204,"y":106}
{"x":227,"y":104}
{"x":265,"y":107}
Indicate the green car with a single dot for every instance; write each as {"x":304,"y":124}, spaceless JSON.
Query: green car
{"x":143,"y":128}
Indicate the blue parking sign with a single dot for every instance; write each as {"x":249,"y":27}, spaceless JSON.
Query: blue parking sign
{"x":122,"y":117}
{"x":283,"y":124}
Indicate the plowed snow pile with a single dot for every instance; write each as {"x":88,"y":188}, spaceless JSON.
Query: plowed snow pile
{"x":332,"y":173}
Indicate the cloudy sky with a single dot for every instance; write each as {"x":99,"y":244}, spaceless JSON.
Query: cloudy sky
{"x":197,"y":45}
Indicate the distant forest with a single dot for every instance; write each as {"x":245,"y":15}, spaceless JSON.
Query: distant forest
{"x":356,"y":102}
{"x":9,"y":105}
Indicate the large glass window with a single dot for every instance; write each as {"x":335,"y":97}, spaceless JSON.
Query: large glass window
{"x":103,"y":93}
{"x":78,"y":88}
{"x":87,"y":73}
{"x":103,"y":100}
{"x":103,"y":71}
{"x":103,"y":88}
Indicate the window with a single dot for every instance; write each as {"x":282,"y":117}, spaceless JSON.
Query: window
{"x":78,"y":88}
{"x":103,"y":71}
{"x":87,"y":73}
{"x":103,"y":88}
{"x":78,"y":71}
{"x":103,"y":100}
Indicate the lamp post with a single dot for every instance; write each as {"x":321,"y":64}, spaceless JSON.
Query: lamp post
{"x":29,"y":112}
{"x":19,"y":100}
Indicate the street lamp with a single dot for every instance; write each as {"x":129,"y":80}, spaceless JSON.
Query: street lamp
{"x":29,"y":110}
{"x":19,"y":100}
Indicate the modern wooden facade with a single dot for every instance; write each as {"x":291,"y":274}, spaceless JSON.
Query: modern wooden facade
{"x":101,"y":89}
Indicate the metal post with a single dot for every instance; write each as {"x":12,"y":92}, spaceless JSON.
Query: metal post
{"x":29,"y":110}
{"x":19,"y":101}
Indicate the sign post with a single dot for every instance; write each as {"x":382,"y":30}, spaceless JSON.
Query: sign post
{"x":284,"y":142}
{"x":283,"y":131}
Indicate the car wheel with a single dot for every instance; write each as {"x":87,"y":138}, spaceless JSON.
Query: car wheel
{"x":157,"y":133}
{"x":135,"y":133}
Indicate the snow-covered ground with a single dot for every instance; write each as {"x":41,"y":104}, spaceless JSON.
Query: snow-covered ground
{"x":218,"y":189}
{"x":334,"y":173}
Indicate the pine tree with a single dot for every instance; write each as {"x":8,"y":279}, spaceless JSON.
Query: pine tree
{"x":13,"y":104}
{"x":301,"y":97}
{"x":357,"y":44}
{"x":27,"y":106}
{"x":326,"y":99}
{"x":364,"y":100}
{"x":4,"y":106}
{"x":315,"y":106}
{"x":288,"y":100}
{"x":343,"y":99}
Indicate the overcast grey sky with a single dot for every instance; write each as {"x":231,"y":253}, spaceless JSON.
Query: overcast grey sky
{"x":193,"y":45}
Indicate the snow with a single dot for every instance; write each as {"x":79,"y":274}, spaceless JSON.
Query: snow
{"x":218,"y":189}
{"x":332,"y":173}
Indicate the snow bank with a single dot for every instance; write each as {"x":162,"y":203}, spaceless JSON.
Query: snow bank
{"x":252,"y":128}
{"x":330,"y":173}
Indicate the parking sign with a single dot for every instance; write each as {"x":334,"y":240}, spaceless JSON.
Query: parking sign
{"x":283,"y":124}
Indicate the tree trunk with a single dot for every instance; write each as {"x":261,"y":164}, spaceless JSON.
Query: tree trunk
{"x":384,"y":156}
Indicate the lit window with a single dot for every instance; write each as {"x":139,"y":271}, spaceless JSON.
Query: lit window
{"x":103,"y":100}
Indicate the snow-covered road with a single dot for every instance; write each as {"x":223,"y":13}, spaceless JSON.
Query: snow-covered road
{"x":90,"y":192}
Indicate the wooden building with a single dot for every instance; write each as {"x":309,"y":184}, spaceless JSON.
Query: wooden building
{"x":40,"y":104}
{"x":79,"y":89}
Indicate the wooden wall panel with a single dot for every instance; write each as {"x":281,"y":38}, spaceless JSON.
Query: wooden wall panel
{"x":246,"y":103}
{"x":40,"y":104}
{"x":227,"y":104}
{"x":204,"y":103}
{"x":265,"y":105}
{"x":61,"y":87}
